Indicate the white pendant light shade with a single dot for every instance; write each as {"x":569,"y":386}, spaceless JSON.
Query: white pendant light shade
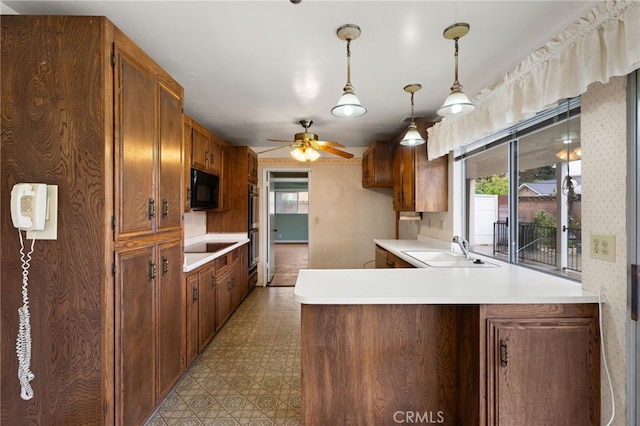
{"x":412,"y":137}
{"x":457,"y":103}
{"x":348,"y":106}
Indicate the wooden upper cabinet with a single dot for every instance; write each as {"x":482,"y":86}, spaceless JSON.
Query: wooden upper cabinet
{"x":206,"y":149}
{"x":419,"y":185}
{"x":252,"y":162}
{"x":148,"y":145}
{"x":205,"y":152}
{"x":377,"y":166}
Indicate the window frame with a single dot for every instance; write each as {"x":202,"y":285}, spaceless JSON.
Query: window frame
{"x":511,"y":137}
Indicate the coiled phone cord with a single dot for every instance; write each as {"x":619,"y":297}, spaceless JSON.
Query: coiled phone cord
{"x":23,"y":343}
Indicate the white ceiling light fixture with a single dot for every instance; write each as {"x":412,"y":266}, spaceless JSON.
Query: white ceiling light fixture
{"x":412,"y":137}
{"x":348,"y":105}
{"x":457,"y":103}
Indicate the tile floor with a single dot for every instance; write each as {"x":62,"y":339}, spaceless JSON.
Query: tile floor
{"x":250,"y":372}
{"x":290,"y":258}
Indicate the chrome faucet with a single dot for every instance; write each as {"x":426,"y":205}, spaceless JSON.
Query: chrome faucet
{"x":464,"y":245}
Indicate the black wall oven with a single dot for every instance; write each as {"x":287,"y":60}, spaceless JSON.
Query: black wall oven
{"x":253,"y":225}
{"x":253,"y":248}
{"x":253,"y":207}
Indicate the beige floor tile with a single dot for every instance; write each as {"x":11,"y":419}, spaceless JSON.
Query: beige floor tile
{"x":250,"y":372}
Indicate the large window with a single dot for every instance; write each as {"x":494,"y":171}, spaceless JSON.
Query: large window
{"x":524,"y":193}
{"x":292,"y":202}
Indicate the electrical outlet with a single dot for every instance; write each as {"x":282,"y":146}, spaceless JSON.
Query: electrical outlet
{"x":603,"y":247}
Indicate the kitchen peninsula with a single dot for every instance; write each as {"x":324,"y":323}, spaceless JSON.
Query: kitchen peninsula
{"x":472,"y":346}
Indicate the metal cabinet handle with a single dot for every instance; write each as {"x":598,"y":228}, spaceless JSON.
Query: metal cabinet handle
{"x":165,"y":208}
{"x":504,"y":357}
{"x":152,"y":208}
{"x":194,"y":294}
{"x":165,"y":265}
{"x":152,"y":271}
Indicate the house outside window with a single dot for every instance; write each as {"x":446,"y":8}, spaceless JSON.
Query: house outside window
{"x":523,"y":193}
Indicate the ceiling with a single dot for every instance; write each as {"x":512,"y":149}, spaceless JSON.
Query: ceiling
{"x":253,"y":69}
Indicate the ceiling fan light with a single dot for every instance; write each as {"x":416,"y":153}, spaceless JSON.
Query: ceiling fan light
{"x":305,"y":154}
{"x":312,"y":154}
{"x":457,"y":103}
{"x":412,"y":137}
{"x":348,"y":106}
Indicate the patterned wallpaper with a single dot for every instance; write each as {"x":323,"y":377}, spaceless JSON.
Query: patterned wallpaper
{"x":604,"y":211}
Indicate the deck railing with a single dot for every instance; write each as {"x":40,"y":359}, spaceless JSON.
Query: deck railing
{"x":538,"y":244}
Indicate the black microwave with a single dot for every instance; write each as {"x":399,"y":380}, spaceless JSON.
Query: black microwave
{"x":205,"y":190}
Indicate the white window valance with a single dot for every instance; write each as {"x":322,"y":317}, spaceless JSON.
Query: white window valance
{"x":601,"y":45}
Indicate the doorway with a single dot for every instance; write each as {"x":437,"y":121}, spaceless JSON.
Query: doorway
{"x":286,"y":201}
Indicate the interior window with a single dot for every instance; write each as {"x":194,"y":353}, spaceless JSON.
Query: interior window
{"x":524,"y":196}
{"x":292,"y":202}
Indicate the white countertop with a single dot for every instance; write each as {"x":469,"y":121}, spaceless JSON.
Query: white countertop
{"x":195,"y":260}
{"x":423,"y":285}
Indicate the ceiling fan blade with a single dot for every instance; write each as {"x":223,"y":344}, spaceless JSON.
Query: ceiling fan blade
{"x":330,"y":143}
{"x":335,"y":151}
{"x":280,"y":140}
{"x":273,"y":149}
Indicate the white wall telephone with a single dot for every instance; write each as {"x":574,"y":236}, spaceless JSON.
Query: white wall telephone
{"x":34,"y":210}
{"x":29,"y":206}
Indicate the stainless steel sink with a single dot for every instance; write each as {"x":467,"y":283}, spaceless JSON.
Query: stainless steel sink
{"x":447,"y":259}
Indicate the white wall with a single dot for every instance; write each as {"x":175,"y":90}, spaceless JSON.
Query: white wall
{"x":344,"y":217}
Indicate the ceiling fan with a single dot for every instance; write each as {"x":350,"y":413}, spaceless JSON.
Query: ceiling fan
{"x":306,"y":145}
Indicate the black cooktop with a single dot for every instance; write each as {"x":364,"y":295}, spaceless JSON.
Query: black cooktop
{"x":207,"y":247}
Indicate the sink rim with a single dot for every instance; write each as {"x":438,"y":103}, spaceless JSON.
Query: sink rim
{"x":451,"y":259}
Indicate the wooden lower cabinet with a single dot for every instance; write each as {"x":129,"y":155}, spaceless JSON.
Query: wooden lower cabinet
{"x":543,"y":364}
{"x":450,"y":364}
{"x":150,"y":312}
{"x":386,"y":259}
{"x":213,"y":292}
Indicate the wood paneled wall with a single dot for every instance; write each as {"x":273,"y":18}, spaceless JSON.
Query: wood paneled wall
{"x":57,"y":129}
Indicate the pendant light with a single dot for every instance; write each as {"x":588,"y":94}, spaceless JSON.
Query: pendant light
{"x":412,"y":137}
{"x":348,"y":105}
{"x":457,"y":103}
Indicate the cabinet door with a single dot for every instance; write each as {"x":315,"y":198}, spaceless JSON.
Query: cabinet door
{"x":225,"y":179}
{"x":223,"y":301}
{"x":134,"y":150}
{"x":192,"y":317}
{"x":186,"y":176}
{"x":170,"y":160}
{"x":432,"y":182}
{"x":252,"y":163}
{"x":403,"y":179}
{"x":377,"y":166}
{"x":135,"y":335}
{"x":215,"y":156}
{"x":543,"y":371}
{"x":200,"y":148}
{"x":207,"y":284}
{"x":171,"y":316}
